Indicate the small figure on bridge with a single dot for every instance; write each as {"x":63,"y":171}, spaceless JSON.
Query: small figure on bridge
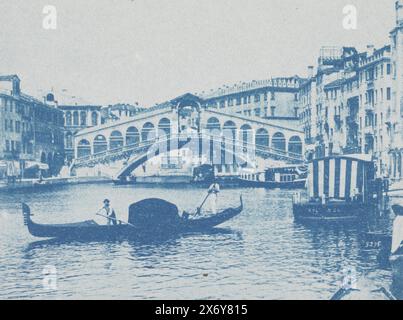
{"x":109,"y":213}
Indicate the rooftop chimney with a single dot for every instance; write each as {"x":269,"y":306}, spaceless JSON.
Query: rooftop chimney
{"x":16,"y":86}
{"x":16,"y":89}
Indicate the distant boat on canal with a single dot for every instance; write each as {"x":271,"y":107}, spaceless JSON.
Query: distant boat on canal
{"x":340,"y":188}
{"x":278,"y":177}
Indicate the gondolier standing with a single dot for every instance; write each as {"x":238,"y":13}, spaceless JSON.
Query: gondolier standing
{"x":214,"y":190}
{"x":108,"y":211}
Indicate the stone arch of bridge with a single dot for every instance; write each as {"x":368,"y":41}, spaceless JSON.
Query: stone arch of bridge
{"x":174,"y":144}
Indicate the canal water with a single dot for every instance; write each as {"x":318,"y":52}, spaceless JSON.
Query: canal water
{"x":261,"y":254}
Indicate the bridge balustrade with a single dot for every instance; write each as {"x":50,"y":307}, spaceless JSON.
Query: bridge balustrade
{"x":246,"y":147}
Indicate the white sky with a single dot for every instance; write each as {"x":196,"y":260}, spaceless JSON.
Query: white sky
{"x":109,"y":51}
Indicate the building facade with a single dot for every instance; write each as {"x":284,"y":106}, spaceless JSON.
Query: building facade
{"x":345,"y":105}
{"x":395,"y":116}
{"x":269,"y":99}
{"x":81,"y":116}
{"x":76,"y":118}
{"x":31,"y":139}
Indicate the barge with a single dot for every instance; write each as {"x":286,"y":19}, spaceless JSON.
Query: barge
{"x":340,"y":188}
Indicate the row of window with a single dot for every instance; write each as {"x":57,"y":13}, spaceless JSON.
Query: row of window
{"x":373,"y":96}
{"x":80,"y":118}
{"x":371,"y":120}
{"x":24,"y":110}
{"x":17,"y":147}
{"x":248,"y":99}
{"x":17,"y":126}
{"x":41,"y":113}
{"x":373,"y":73}
{"x":13,"y":146}
{"x":258,"y":112}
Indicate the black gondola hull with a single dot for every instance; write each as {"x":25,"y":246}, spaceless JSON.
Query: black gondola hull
{"x":89,"y":230}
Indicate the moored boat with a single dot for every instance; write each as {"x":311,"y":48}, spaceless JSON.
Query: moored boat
{"x":340,"y":188}
{"x":147,"y":218}
{"x":278,"y":177}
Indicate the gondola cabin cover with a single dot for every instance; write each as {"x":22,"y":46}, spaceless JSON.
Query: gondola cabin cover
{"x":340,"y":188}
{"x":341,"y":178}
{"x":153,"y":214}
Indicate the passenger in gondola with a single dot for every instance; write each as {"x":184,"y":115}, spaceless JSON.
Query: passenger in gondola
{"x":108,"y":212}
{"x":185,"y":215}
{"x":214,"y":190}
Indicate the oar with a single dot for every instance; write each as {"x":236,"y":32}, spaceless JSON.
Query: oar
{"x":204,"y":201}
{"x":122,"y":222}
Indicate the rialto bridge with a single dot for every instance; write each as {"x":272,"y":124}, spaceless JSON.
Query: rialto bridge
{"x":121,"y":146}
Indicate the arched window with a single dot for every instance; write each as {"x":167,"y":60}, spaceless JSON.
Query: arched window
{"x":246,"y":134}
{"x":83,"y":118}
{"x":94,"y":118}
{"x":100,"y":144}
{"x":68,"y":118}
{"x":229,"y":129}
{"x":278,"y":141}
{"x":115,"y":140}
{"x":295,"y":145}
{"x":213,"y":124}
{"x":262,"y":138}
{"x":83,"y":149}
{"x":75,"y":118}
{"x":148,"y":132}
{"x":164,"y":127}
{"x":69,"y":140}
{"x":132,"y":136}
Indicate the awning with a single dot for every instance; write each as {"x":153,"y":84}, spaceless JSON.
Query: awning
{"x":339,"y":177}
{"x":36,"y":165}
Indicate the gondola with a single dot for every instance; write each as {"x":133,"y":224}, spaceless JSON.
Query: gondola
{"x":149,"y":218}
